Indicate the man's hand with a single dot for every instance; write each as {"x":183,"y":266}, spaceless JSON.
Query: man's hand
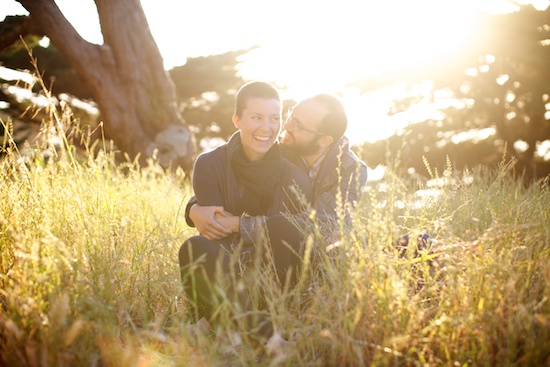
{"x":205,"y":219}
{"x":229,"y":221}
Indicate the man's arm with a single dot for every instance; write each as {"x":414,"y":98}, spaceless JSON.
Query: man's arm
{"x":213,"y":222}
{"x":351,"y":183}
{"x":353,"y":178}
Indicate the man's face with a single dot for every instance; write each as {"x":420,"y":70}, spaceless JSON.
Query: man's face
{"x":300,"y":128}
{"x":259,"y":123}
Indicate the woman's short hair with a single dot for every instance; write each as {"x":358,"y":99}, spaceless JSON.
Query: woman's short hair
{"x":254,"y":89}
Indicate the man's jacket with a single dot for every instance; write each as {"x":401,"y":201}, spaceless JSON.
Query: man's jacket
{"x":340,"y":172}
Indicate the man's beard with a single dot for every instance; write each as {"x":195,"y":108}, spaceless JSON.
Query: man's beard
{"x":306,"y":149}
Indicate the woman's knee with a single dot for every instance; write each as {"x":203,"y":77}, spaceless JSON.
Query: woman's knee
{"x":189,"y":250}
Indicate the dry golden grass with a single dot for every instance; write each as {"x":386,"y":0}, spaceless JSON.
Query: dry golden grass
{"x":89,"y":274}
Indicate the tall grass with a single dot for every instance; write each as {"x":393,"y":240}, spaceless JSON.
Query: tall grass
{"x":89,"y":273}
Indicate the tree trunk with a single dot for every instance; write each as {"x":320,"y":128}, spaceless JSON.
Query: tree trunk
{"x":126,"y":75}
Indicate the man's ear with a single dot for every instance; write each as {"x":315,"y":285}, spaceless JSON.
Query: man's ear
{"x":236,"y":121}
{"x":326,"y":140}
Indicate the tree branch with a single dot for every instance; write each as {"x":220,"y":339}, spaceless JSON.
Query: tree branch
{"x":14,"y":27}
{"x":78,"y":52}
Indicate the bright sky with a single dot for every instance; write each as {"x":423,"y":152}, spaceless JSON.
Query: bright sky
{"x":311,"y":46}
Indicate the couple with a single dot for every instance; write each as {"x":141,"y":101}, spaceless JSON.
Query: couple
{"x":246,"y":188}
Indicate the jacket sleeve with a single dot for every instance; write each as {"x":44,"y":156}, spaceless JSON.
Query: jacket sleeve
{"x":205,"y":186}
{"x":348,"y":181}
{"x":192,"y":201}
{"x":207,"y":181}
{"x":251,"y":228}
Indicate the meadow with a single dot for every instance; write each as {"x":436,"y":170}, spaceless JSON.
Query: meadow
{"x":89,"y":273}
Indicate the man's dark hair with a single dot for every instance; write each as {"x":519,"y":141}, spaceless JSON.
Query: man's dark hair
{"x":251,"y":90}
{"x":335,"y":122}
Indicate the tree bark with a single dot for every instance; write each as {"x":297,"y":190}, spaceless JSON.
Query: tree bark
{"x":127,"y":78}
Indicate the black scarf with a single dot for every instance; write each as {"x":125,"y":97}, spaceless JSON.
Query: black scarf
{"x":259,"y":179}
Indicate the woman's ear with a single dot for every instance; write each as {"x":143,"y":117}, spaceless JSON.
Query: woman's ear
{"x":236,"y":121}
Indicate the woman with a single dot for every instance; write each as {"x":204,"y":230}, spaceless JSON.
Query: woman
{"x":253,"y":186}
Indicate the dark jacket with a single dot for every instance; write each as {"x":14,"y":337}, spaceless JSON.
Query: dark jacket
{"x":215,"y":183}
{"x":341,"y":171}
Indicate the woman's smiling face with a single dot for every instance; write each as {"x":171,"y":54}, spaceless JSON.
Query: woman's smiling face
{"x":260,"y":124}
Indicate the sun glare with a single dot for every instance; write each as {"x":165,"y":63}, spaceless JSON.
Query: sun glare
{"x":308,"y":47}
{"x":353,"y":42}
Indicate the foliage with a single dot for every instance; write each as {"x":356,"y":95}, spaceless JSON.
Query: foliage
{"x":501,"y":82}
{"x":510,"y":84}
{"x":89,"y":273}
{"x":205,"y":89}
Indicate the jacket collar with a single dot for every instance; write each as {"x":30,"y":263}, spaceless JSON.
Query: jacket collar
{"x":234,"y":143}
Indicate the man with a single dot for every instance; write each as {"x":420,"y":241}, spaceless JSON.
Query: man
{"x":314,"y":140}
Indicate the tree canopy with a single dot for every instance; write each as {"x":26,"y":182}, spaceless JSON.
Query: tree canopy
{"x":503,"y":84}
